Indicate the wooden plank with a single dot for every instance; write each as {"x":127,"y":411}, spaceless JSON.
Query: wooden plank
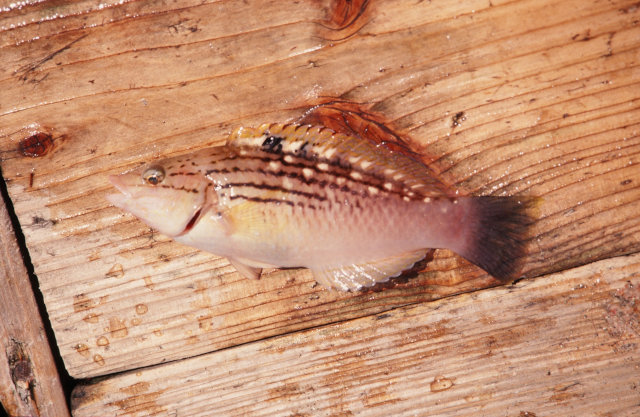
{"x":564,"y":345}
{"x":525,"y":96}
{"x":29,"y":381}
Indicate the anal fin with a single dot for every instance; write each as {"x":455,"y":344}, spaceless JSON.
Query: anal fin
{"x":245,"y":270}
{"x":357,"y":276}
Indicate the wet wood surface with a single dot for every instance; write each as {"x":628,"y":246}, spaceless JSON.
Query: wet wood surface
{"x":563,"y":345}
{"x":29,"y":381}
{"x":500,"y":97}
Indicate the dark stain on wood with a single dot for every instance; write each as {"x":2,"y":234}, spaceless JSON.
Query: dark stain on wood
{"x":441,"y":383}
{"x":38,"y":221}
{"x":85,"y":394}
{"x":457,"y":119}
{"x":82,"y":303}
{"x":36,"y":145}
{"x":139,"y":401}
{"x":21,"y":371}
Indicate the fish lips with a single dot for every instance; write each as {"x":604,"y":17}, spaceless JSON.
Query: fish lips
{"x":119,"y":199}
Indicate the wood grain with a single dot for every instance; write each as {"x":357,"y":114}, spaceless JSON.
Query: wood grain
{"x":500,"y":97}
{"x":29,"y":381}
{"x":564,"y":345}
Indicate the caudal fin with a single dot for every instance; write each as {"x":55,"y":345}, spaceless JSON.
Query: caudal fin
{"x":497,"y":234}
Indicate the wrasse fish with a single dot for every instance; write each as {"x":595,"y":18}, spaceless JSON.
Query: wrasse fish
{"x":353,"y":212}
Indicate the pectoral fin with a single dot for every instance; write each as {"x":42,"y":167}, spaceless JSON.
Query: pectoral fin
{"x":245,"y":270}
{"x":355,"y":277}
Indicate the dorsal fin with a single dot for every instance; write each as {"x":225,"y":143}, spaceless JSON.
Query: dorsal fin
{"x":321,"y":144}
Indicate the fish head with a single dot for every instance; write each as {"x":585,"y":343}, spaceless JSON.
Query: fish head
{"x":166,"y":195}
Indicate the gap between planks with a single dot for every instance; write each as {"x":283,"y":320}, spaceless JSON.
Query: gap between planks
{"x":29,"y":380}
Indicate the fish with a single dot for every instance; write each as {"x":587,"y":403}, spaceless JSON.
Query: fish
{"x":354,"y":212}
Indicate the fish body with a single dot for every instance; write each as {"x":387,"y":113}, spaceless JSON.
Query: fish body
{"x":352,"y":211}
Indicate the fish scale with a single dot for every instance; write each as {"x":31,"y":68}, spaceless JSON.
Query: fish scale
{"x":352,"y":211}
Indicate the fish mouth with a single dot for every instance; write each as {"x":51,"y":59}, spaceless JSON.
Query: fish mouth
{"x":192,"y":222}
{"x":118,"y":182}
{"x":119,"y":199}
{"x":198,"y":214}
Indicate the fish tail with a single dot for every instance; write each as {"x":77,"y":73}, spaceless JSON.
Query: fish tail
{"x":497,"y":234}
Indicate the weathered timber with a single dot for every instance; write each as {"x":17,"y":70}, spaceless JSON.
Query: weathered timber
{"x":563,"y":345}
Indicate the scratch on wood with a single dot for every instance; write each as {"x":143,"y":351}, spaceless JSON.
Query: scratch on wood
{"x":562,"y":393}
{"x":28,"y":69}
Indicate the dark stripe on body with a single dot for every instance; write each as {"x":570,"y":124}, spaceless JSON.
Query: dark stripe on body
{"x":262,"y":200}
{"x":189,"y":190}
{"x":311,"y":181}
{"x":262,"y":186}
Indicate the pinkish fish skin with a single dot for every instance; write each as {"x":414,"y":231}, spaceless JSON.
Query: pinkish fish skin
{"x":353,"y":212}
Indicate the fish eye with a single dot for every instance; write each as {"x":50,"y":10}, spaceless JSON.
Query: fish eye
{"x":153,"y":175}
